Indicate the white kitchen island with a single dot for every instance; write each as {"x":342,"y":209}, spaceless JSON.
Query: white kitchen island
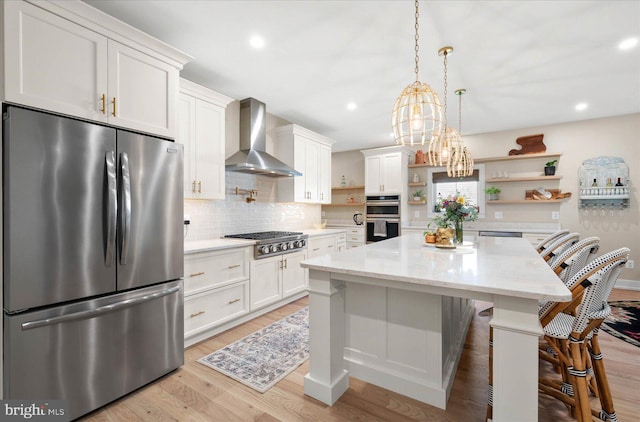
{"x":395,"y":314}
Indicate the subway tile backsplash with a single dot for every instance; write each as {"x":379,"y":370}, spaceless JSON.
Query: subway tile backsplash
{"x":212,"y":219}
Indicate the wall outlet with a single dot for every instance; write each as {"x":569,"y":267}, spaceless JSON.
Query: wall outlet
{"x":323,"y":213}
{"x":497,"y":215}
{"x":630,"y":264}
{"x":555,"y":215}
{"x":416,"y":214}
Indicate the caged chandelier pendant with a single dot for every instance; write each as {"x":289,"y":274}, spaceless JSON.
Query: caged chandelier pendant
{"x":461,"y":162}
{"x":417,"y":112}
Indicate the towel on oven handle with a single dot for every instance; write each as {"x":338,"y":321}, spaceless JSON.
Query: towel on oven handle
{"x":380,"y":228}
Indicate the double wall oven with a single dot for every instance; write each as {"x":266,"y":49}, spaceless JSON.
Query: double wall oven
{"x":382,"y":217}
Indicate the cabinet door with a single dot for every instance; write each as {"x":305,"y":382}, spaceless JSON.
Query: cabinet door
{"x":53,"y":64}
{"x":142,"y":90}
{"x":186,"y":137}
{"x":392,"y":173}
{"x":322,"y":245}
{"x":312,"y":161}
{"x":209,"y":154}
{"x":372,"y":174}
{"x":266,"y":286}
{"x":300,"y":192}
{"x":324,"y":174}
{"x":294,"y":278}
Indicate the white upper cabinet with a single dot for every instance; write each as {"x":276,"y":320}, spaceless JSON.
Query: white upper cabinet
{"x":310,"y":154}
{"x":385,"y":170}
{"x":67,"y":57}
{"x":201,"y":129}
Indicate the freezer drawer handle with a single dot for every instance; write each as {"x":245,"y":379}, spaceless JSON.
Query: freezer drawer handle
{"x":125,"y":216}
{"x":92,"y":313}
{"x":196,"y":314}
{"x":196,"y":274}
{"x":234,"y":301}
{"x":112,"y":207}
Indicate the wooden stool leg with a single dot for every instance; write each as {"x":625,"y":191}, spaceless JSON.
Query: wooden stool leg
{"x":606,"y":401}
{"x":490,"y":398}
{"x":579,"y":375}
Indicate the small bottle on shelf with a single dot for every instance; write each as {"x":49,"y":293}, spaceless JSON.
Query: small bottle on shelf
{"x":595,"y":183}
{"x":619,"y":183}
{"x":609,"y":182}
{"x":343,"y":182}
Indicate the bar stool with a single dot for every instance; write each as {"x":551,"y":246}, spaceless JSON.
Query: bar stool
{"x":573,"y":336}
{"x":558,"y":246}
{"x":574,"y":258}
{"x":547,"y":240}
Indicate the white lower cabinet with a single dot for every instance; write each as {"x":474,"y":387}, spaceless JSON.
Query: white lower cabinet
{"x":321,"y":245}
{"x":355,"y":237}
{"x":277,"y":277}
{"x":216,"y":290}
{"x":535,"y":238}
{"x":341,"y":242}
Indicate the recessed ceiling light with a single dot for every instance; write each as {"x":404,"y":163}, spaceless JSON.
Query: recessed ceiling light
{"x":628,"y":43}
{"x":581,"y":106}
{"x":256,"y":41}
{"x":352,"y":106}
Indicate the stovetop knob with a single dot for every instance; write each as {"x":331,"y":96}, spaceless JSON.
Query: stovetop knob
{"x":264,"y":249}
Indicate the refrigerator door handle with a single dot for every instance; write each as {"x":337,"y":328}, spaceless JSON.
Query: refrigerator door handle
{"x":92,"y":313}
{"x":112,"y":207}
{"x":125,"y":200}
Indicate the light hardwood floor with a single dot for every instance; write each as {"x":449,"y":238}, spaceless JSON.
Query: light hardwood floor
{"x":197,"y":393}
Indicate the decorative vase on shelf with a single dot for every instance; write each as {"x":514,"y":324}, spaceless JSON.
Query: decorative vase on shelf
{"x":459,"y":232}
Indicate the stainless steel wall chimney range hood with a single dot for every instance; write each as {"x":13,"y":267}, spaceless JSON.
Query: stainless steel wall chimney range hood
{"x":252,"y":157}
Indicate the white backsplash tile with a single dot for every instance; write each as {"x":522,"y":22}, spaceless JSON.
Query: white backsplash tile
{"x":214,"y":219}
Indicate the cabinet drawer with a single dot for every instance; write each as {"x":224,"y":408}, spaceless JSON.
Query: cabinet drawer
{"x":355,"y":231}
{"x":341,"y":237}
{"x":208,"y":309}
{"x":351,"y":245}
{"x":213,"y":269}
{"x":321,"y":246}
{"x":358,"y":237}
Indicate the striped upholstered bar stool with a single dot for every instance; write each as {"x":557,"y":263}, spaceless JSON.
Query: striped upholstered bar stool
{"x":574,"y":338}
{"x":549,"y":239}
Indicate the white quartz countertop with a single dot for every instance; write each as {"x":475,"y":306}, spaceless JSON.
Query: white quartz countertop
{"x":194,"y":246}
{"x":322,"y":232}
{"x":496,"y":226}
{"x":493,"y":265}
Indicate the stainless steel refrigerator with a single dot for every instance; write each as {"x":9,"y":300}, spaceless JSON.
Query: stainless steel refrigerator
{"x":92,"y":259}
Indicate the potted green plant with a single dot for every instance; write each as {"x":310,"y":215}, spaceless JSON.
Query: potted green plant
{"x":494,"y":193}
{"x":418,"y":195}
{"x":429,"y":234}
{"x":550,"y":168}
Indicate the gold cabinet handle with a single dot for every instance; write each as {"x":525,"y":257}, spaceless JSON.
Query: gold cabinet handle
{"x":114,"y":106}
{"x":234,"y":301}
{"x":193,"y":186}
{"x":196,"y":314}
{"x":196,"y":274}
{"x":199,"y":186}
{"x":234,"y":266}
{"x":315,"y":249}
{"x":330,"y":246}
{"x":104,"y":104}
{"x":285,"y":264}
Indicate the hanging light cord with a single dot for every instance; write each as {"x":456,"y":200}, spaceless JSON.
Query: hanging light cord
{"x":417,"y":37}
{"x":445,"y":90}
{"x":460,"y":112}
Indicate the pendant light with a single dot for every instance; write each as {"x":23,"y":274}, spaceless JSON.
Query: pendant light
{"x":461,"y":162}
{"x":417,"y":113}
{"x":441,"y":147}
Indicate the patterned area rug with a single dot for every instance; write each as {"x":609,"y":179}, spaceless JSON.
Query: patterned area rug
{"x":263,"y":358}
{"x":624,"y":321}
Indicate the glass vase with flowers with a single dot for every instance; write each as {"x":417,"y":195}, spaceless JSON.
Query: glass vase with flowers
{"x":455,"y":211}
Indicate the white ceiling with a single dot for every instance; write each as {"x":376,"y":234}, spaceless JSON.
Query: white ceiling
{"x":523,"y":63}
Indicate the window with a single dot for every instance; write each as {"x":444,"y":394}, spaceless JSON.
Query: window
{"x":472,"y":187}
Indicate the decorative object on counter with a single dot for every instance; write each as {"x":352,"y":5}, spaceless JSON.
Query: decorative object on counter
{"x":343,"y":182}
{"x":494,"y":193}
{"x":416,"y":178}
{"x":445,"y":237}
{"x":531,"y":144}
{"x":461,"y":162}
{"x":550,"y":168}
{"x":597,"y":191}
{"x":545,"y":194}
{"x":358,"y":218}
{"x":419,"y":157}
{"x":417,"y":112}
{"x":456,"y":210}
{"x":319,"y":226}
{"x":624,"y":321}
{"x":263,"y":358}
{"x":418,"y":195}
{"x":253,"y":194}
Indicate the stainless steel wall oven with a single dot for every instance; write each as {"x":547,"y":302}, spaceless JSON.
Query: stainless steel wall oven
{"x":382,"y":217}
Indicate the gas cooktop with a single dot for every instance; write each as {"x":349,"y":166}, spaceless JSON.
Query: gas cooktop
{"x":273,"y":242}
